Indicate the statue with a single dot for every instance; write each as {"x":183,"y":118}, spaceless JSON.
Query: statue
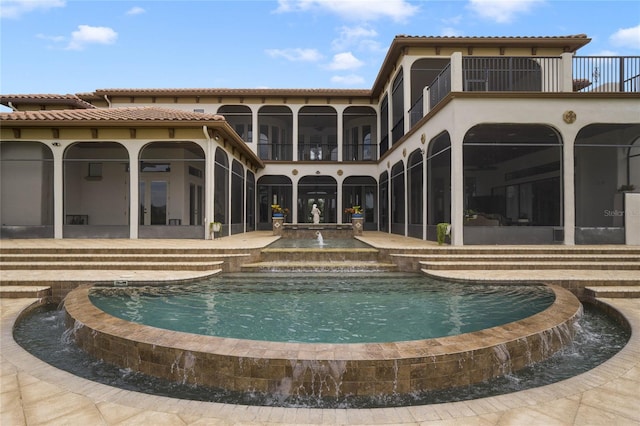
{"x":315,"y":212}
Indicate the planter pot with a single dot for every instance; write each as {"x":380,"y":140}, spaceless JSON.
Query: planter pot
{"x":278,"y":215}
{"x":216,"y":227}
{"x":356,"y":216}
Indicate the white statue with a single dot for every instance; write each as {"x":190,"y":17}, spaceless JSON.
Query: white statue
{"x":315,"y":211}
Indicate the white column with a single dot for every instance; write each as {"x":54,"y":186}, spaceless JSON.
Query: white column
{"x":340,"y":131}
{"x":569,"y":193}
{"x":425,"y":191}
{"x":58,"y":191}
{"x":456,"y":72}
{"x":134,"y":186}
{"x":294,"y":132}
{"x":566,"y":83}
{"x":457,"y":191}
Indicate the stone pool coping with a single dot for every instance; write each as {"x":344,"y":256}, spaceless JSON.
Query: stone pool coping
{"x":324,"y":369}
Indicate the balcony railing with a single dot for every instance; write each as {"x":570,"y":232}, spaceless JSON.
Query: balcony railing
{"x":317,"y":152}
{"x":359,"y":152}
{"x":538,"y":74}
{"x":606,"y":74}
{"x":277,"y":152}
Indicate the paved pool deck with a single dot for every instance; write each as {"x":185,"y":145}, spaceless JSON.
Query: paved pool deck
{"x":35,"y":393}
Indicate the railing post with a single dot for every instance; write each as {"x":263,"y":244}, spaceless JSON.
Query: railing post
{"x":566,"y":75}
{"x":456,"y":72}
{"x":426,"y":107}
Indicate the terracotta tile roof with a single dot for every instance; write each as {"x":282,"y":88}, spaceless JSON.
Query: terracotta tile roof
{"x":46,"y":99}
{"x":128,"y":114}
{"x":229,"y":92}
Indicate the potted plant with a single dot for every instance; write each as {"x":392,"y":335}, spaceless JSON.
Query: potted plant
{"x":278,"y":211}
{"x":215,"y":227}
{"x":355,"y":211}
{"x":443,"y":229}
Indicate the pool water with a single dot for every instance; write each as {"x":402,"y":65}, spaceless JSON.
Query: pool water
{"x":331,"y":308}
{"x":43,"y":333}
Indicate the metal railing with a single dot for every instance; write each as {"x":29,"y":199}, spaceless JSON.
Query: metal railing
{"x":278,"y":152}
{"x":606,"y":74}
{"x":512,"y":73}
{"x":359,"y":152}
{"x":440,"y":86}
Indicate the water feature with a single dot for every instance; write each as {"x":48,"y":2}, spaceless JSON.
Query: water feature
{"x":310,"y":243}
{"x":338,"y":308}
{"x":42,"y":332}
{"x":291,"y":369}
{"x":319,"y":238}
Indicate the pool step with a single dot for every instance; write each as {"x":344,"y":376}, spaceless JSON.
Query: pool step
{"x":613,"y":292}
{"x":24,"y":292}
{"x":318,"y":266}
{"x":502,"y":257}
{"x":113,"y":258}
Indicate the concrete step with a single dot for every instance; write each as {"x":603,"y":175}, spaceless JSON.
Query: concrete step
{"x":24,"y":291}
{"x":349,"y":266}
{"x":613,"y":292}
{"x":153,"y":266}
{"x":113,"y":258}
{"x":523,"y":257}
{"x":515,"y":265}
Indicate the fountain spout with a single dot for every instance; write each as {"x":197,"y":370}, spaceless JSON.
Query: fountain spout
{"x":320,"y":239}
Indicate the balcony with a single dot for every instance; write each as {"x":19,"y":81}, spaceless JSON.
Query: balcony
{"x":588,"y":74}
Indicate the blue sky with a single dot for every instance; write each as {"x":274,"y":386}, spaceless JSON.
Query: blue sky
{"x":73,"y":46}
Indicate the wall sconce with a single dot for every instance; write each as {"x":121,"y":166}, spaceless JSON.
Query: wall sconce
{"x":55,"y":143}
{"x":216,"y":136}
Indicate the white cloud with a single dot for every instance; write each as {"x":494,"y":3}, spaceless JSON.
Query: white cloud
{"x":136,"y":11}
{"x":16,"y":8}
{"x":348,"y":80}
{"x":502,"y":11}
{"x":345,"y":61}
{"x":295,"y":55}
{"x":353,"y":36}
{"x":627,"y":37}
{"x":361,"y":10}
{"x":87,"y":34}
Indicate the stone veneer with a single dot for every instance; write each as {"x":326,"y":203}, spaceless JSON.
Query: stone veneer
{"x":323,"y":369}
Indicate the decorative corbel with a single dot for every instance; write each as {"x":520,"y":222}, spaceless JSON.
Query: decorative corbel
{"x":172,"y":132}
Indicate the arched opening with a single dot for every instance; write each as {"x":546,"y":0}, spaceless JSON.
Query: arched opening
{"x":415,"y":177}
{"x":275,"y":139}
{"x":26,"y":190}
{"x":240,"y":118}
{"x":171,"y":190}
{"x":361,"y":191}
{"x":237,"y":201}
{"x":439,"y":183}
{"x":359,"y":142}
{"x":397,"y":107}
{"x":397,"y":206}
{"x":512,"y":184}
{"x":221,"y":189}
{"x":320,"y":190}
{"x":96,"y":190}
{"x":423,"y":73}
{"x":250,"y":216}
{"x":318,"y":133}
{"x":607,"y":164}
{"x":273,"y":189}
{"x":383,"y":190}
